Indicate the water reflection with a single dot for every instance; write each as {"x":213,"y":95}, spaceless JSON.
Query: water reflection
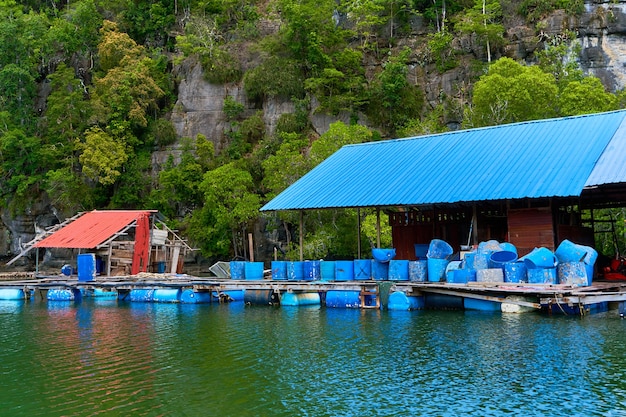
{"x":115,"y":358}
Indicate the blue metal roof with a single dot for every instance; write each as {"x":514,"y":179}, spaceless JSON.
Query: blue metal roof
{"x":545,"y":158}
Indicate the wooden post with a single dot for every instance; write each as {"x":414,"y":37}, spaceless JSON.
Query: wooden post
{"x":474,"y":225}
{"x":301,"y":235}
{"x":175,"y":255}
{"x":358,"y":231}
{"x":378,"y":227}
{"x":251,"y":247}
{"x":109,"y":254}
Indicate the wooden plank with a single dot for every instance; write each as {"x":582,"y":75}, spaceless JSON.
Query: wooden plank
{"x":585,"y":299}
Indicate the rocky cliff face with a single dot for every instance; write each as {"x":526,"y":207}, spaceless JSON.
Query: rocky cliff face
{"x":600,"y":30}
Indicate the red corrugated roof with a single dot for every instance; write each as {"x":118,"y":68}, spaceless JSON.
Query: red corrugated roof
{"x":91,"y":229}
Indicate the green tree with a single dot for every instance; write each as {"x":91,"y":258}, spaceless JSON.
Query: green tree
{"x":20,"y":171}
{"x":103,"y":156}
{"x":585,"y":96}
{"x":394,"y":101}
{"x":64,"y":122}
{"x":287,"y":165}
{"x":177,"y":193}
{"x":67,"y":111}
{"x":483,"y":20}
{"x":441,"y":51}
{"x":76,"y":31}
{"x":310,"y":33}
{"x":337,"y":135}
{"x":342,"y":86}
{"x":17,"y":94}
{"x":367,"y":16}
{"x":560,"y":60}
{"x":229,"y":193}
{"x":511,"y":92}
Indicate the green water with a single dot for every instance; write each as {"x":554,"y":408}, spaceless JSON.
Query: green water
{"x":107,"y":358}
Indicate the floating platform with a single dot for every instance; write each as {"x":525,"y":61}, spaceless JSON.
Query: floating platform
{"x":396,"y":295}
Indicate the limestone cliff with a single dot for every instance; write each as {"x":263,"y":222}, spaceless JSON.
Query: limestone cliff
{"x":600,"y":30}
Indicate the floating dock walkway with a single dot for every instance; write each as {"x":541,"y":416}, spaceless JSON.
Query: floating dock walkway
{"x":393,"y":295}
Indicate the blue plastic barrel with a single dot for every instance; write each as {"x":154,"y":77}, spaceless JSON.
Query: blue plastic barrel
{"x":515,"y":272}
{"x":540,"y":258}
{"x":508,"y":246}
{"x":481,"y":260}
{"x":569,"y":251}
{"x":399,"y":270}
{"x":541,"y":275}
{"x":443,"y":302}
{"x":463,"y":276}
{"x":189,"y":296}
{"x":141,"y":295}
{"x":344,"y":270}
{"x":437,"y":269}
{"x":421,"y":251}
{"x":64,"y":294}
{"x":439,"y":249}
{"x":300,"y":299}
{"x":398,"y":300}
{"x":279,"y":270}
{"x":295,"y":271}
{"x":230,"y":295}
{"x":311,"y":270}
{"x":383,"y":255}
{"x":327,"y":270}
{"x":380,"y":270}
{"x":343,"y":299}
{"x":481,"y":305}
{"x":104,"y":292}
{"x":572,"y":273}
{"x":492,"y":275}
{"x":166,"y":295}
{"x":237,"y":269}
{"x":501,"y":258}
{"x":489,"y":246}
{"x":86,"y":263}
{"x":590,"y":261}
{"x":12,"y":294}
{"x":260,"y":297}
{"x":362,"y":269}
{"x":418,"y":270}
{"x":253,"y":270}
{"x":66,"y":270}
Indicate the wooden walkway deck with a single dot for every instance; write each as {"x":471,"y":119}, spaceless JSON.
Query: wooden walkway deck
{"x":535,"y":296}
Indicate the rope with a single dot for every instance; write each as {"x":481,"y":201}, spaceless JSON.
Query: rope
{"x":559,"y":304}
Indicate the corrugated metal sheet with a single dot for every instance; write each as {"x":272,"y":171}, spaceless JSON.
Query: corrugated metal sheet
{"x":611,"y":167}
{"x":545,"y":158}
{"x":91,"y":229}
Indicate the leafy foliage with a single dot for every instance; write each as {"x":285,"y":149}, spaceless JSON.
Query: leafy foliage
{"x":441,"y":51}
{"x":511,"y":92}
{"x":275,"y":77}
{"x":86,"y":93}
{"x":228,"y":195}
{"x":394,"y":101}
{"x":103,"y":156}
